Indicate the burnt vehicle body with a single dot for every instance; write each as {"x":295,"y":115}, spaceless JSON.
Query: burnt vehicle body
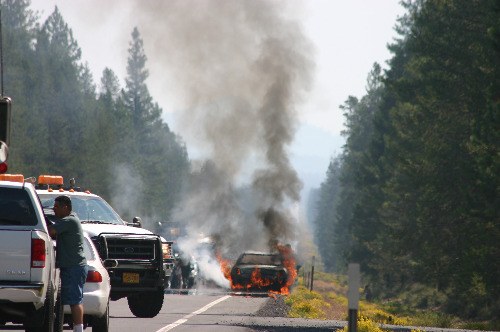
{"x":259,"y":271}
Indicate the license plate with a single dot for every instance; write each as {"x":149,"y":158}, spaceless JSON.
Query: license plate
{"x":130,"y":278}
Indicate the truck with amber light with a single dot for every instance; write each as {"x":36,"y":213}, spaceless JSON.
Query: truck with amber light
{"x":138,"y":261}
{"x":29,"y":279}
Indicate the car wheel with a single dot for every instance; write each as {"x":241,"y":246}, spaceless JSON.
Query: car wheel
{"x":147,"y":304}
{"x":101,"y":324}
{"x":59,"y":312}
{"x":48,"y":316}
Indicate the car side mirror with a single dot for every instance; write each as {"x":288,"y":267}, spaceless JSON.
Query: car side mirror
{"x":136,"y":222}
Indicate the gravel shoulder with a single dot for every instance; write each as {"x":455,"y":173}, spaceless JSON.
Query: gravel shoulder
{"x":274,"y":307}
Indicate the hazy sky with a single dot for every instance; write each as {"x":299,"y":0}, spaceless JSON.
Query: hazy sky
{"x":348,"y":37}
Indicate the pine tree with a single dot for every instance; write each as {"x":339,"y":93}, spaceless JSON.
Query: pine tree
{"x":137,"y":98}
{"x":60,"y":97}
{"x":325,"y":222}
{"x":19,"y":29}
{"x":153,"y":151}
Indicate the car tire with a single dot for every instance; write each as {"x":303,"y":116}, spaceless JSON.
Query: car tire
{"x":147,"y":304}
{"x":59,"y":312}
{"x":101,"y":324}
{"x":48,"y":314}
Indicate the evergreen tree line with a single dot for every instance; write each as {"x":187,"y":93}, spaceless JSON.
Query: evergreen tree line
{"x":112,"y":140}
{"x":415,"y":195}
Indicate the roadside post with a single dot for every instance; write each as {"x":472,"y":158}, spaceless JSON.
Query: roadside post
{"x":312,"y":275}
{"x":353,"y":296}
{"x":304,"y":275}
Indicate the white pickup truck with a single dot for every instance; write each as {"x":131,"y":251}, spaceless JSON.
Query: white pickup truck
{"x":29,"y":279}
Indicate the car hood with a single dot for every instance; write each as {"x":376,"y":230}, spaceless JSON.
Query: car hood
{"x":96,"y":229}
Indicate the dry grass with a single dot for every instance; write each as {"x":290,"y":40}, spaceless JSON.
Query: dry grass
{"x":321,"y":286}
{"x":336,"y":310}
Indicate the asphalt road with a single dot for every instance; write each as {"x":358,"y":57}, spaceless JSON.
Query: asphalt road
{"x":208,"y":310}
{"x":216,"y":310}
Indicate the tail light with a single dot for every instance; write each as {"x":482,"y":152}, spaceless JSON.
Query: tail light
{"x":94,"y":276}
{"x":3,"y":168}
{"x":37,"y":253}
{"x":238,"y":271}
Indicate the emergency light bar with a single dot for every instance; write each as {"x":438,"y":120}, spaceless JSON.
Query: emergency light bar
{"x":12,"y":177}
{"x":50,"y":179}
{"x":56,"y":182}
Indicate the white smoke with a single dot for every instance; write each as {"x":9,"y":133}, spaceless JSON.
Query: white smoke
{"x":125,"y":193}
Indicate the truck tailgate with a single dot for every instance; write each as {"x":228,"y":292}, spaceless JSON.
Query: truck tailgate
{"x":15,"y":258}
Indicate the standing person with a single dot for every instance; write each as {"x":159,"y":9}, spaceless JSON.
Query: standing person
{"x":70,"y":258}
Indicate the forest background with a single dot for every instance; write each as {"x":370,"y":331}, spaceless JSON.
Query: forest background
{"x":414,"y":196}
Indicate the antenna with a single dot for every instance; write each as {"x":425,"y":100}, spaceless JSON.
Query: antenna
{"x":1,"y":52}
{"x":5,"y":109}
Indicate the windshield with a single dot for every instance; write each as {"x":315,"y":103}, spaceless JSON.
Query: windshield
{"x":88,"y":209}
{"x":260,"y":259}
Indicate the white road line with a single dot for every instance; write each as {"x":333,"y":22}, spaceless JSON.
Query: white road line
{"x":194,"y":313}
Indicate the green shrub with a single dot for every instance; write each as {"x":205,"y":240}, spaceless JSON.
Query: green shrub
{"x":383,"y":317}
{"x":365,"y":325}
{"x":474,"y":326}
{"x":306,"y":304}
{"x":307,"y":309}
{"x":337,"y":298}
{"x":432,"y":318}
{"x":302,"y":292}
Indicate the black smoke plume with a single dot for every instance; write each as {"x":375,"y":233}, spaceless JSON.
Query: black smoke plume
{"x":238,"y":71}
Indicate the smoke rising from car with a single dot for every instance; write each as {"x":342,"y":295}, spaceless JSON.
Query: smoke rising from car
{"x":125,"y":194}
{"x":240,"y":70}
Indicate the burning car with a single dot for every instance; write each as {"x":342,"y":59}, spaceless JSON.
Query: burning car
{"x":260,"y":271}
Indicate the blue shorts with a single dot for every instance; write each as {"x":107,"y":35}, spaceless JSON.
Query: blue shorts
{"x":72,"y":280}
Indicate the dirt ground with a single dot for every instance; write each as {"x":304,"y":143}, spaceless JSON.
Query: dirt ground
{"x":336,"y":311}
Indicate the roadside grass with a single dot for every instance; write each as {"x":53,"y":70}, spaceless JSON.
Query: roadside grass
{"x":306,"y":304}
{"x":328,"y":300}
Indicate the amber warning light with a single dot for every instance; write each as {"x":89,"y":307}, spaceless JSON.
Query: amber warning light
{"x":50,"y":179}
{"x":12,"y":177}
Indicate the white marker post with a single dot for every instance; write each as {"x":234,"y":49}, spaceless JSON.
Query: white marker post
{"x":353,"y":296}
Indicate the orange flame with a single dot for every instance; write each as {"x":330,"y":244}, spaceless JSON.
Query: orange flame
{"x":289,"y":262}
{"x":225,"y":266}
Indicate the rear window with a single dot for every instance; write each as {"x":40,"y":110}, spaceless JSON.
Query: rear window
{"x":16,"y":208}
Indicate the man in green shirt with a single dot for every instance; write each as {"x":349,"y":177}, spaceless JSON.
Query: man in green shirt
{"x":70,"y":258}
